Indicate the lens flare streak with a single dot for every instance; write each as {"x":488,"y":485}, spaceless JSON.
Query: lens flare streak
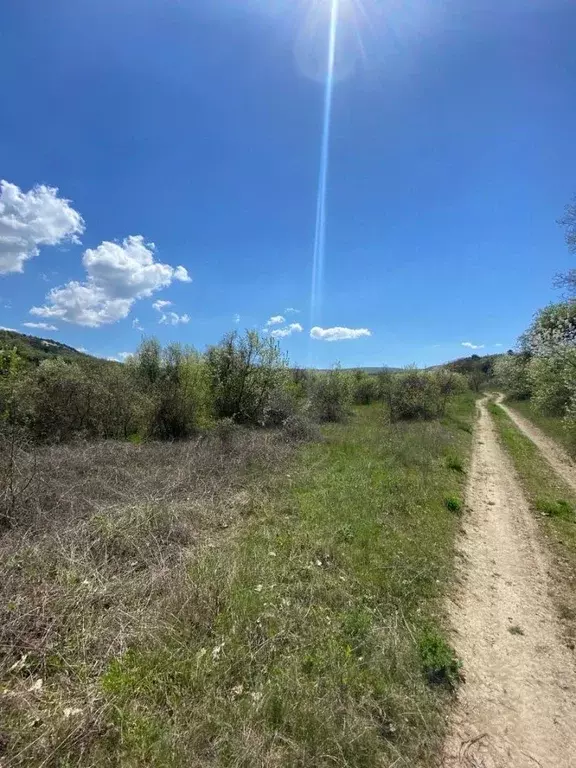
{"x":320,"y":231}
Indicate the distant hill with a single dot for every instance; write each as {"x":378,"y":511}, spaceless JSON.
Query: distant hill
{"x":34,"y":349}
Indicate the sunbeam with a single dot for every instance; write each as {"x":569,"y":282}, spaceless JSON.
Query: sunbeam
{"x":320,"y":230}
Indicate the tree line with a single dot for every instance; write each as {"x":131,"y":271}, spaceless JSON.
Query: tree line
{"x":174,"y":392}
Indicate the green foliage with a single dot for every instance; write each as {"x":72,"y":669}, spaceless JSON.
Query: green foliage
{"x":365,"y":388}
{"x":331,"y":395}
{"x":453,"y":503}
{"x":439,"y":661}
{"x":415,"y":394}
{"x":511,"y":374}
{"x":243,"y":372}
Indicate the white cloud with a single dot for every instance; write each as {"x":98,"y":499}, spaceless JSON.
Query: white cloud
{"x":472,"y":346}
{"x":161,"y":304}
{"x":121,"y":357}
{"x":236,"y":318}
{"x":497,"y":345}
{"x":3,"y":328}
{"x":42,"y":326}
{"x":275,"y":320}
{"x":280,"y":333}
{"x":136,"y":324}
{"x":31,"y":219}
{"x":291,"y":309}
{"x":171,"y":318}
{"x":118,"y":274}
{"x":338,"y":333}
{"x":82,"y":349}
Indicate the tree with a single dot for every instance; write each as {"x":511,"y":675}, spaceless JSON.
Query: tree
{"x":567,"y":281}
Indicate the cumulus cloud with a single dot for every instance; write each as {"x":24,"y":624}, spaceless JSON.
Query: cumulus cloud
{"x":3,"y":328}
{"x":32,"y":219}
{"x":161,"y":304}
{"x":136,"y":324}
{"x":338,"y":333}
{"x":291,"y":309}
{"x":236,"y":318}
{"x":472,"y":346}
{"x":171,"y":318}
{"x":280,"y":333}
{"x":275,"y":320}
{"x":118,"y":274}
{"x":42,"y":326}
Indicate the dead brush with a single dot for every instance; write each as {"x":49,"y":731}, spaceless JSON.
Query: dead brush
{"x":97,"y":559}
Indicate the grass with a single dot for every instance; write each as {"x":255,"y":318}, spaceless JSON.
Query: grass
{"x":310,"y":633}
{"x":553,"y":426}
{"x":554,"y":503}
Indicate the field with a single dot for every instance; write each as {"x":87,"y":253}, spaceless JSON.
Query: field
{"x":244,"y":599}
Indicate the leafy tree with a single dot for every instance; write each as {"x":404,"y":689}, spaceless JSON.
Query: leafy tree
{"x":243,"y":372}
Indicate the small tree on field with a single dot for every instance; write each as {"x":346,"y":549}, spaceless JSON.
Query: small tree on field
{"x":243,"y":372}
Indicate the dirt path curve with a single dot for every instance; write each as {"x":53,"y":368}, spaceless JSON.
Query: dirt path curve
{"x":517,"y":708}
{"x":558,"y":459}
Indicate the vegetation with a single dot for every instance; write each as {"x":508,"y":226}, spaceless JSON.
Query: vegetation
{"x":233,"y":599}
{"x":544,"y":368}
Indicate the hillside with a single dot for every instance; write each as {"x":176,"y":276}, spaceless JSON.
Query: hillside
{"x":34,"y":349}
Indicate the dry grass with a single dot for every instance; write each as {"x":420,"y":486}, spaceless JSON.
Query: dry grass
{"x":103,"y":537}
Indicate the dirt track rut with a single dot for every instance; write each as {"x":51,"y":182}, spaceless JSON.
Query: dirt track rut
{"x":558,"y":459}
{"x":517,"y":707}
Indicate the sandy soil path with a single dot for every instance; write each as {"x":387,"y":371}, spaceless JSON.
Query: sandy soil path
{"x":558,"y":459}
{"x":517,"y":707}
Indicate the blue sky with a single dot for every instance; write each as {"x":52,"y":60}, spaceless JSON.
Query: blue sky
{"x":195,"y":125}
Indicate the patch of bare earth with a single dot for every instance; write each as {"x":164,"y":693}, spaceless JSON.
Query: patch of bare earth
{"x":558,"y":459}
{"x":517,"y":706}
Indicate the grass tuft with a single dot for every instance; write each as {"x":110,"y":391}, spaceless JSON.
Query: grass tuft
{"x":439,"y":661}
{"x":453,"y":503}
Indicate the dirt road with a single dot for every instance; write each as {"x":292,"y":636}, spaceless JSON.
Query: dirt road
{"x":558,"y":459}
{"x":517,"y":707}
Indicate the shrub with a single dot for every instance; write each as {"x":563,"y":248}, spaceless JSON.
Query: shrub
{"x":300,"y":427}
{"x":414,"y":394}
{"x":243,"y":372}
{"x":331,"y":395}
{"x":365,"y":388}
{"x":511,"y":373}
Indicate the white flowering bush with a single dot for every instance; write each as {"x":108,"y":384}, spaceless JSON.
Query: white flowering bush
{"x":551,"y":343}
{"x":511,"y":373}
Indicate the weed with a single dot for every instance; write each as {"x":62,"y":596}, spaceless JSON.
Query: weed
{"x":454,"y":462}
{"x":515,"y":630}
{"x":453,"y":503}
{"x":439,"y":661}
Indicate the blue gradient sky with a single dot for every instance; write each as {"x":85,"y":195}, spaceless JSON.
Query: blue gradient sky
{"x":192,"y":124}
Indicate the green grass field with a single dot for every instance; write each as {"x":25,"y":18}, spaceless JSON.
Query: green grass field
{"x":554,"y":504}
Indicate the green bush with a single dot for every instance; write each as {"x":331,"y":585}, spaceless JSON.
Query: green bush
{"x":331,"y":395}
{"x":243,"y":372}
{"x":414,"y":394}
